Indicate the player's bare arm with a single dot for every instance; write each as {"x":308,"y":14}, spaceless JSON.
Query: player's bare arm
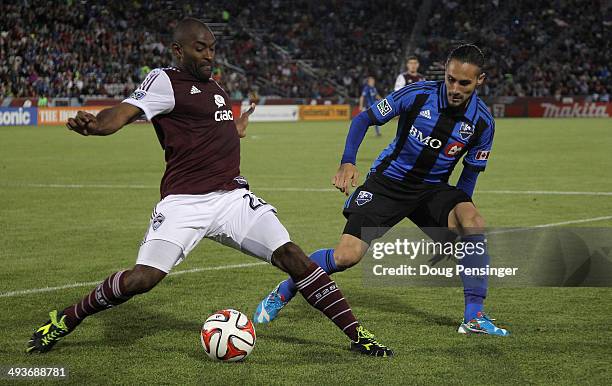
{"x":107,"y":122}
{"x":243,"y":121}
{"x":346,"y":177}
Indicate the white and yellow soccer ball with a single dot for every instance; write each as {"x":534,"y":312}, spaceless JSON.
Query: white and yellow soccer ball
{"x":228,"y":336}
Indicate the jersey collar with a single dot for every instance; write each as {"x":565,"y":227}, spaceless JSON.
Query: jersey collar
{"x":471,"y":109}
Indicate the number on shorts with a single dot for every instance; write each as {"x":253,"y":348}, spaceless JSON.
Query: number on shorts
{"x":252,"y":201}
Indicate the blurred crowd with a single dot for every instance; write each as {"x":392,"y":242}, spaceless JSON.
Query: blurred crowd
{"x":303,"y":48}
{"x":534,"y":48}
{"x":345,"y":41}
{"x":74,"y":48}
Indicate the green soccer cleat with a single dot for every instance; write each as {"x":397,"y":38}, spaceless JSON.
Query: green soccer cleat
{"x":48,"y":334}
{"x":366,"y":344}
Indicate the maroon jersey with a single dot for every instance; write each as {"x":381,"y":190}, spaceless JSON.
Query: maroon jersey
{"x":195,"y":127}
{"x":413,"y":78}
{"x":405,"y":78}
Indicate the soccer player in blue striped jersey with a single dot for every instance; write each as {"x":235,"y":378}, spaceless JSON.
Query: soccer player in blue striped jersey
{"x":439,"y":123}
{"x":369,"y":96}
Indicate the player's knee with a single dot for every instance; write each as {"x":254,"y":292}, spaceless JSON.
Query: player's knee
{"x":349,"y":252}
{"x":474,"y":223}
{"x":291,"y":259}
{"x":347,"y":257}
{"x":142,"y":279}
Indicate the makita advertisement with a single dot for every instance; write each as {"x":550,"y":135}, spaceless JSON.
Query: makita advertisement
{"x":570,"y":110}
{"x":18,"y":116}
{"x":509,"y":107}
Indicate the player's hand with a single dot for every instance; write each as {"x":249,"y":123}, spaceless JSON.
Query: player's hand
{"x":243,"y":121}
{"x":346,"y":177}
{"x":84,"y":123}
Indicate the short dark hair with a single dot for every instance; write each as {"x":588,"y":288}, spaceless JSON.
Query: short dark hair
{"x":467,"y":53}
{"x":186,"y":26}
{"x":412,"y":57}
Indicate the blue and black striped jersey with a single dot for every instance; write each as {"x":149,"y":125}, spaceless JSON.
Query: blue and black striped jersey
{"x":431,"y":137}
{"x":369,"y":93}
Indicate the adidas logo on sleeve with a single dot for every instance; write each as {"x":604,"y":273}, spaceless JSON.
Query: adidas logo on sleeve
{"x":426,"y":114}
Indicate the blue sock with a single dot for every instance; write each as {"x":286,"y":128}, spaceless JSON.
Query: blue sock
{"x":324,"y":259}
{"x":474,"y":287}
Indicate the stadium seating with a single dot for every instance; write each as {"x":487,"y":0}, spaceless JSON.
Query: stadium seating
{"x":303,"y":48}
{"x":534,"y":48}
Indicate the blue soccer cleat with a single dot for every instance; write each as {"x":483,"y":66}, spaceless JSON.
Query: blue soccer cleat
{"x":269,"y":308}
{"x":482,"y":324}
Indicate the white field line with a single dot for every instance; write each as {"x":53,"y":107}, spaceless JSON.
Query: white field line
{"x":247,"y":265}
{"x":550,"y":225}
{"x":92,"y":283}
{"x":555,"y":224}
{"x":290,"y":189}
{"x":545,"y":192}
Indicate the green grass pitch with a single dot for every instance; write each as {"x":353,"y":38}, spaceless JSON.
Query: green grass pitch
{"x":74,"y":209}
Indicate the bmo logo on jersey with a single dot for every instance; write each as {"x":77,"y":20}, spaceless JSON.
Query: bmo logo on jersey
{"x":431,"y":142}
{"x":222,"y":115}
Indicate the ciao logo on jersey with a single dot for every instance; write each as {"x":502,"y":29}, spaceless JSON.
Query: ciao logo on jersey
{"x":219,"y":101}
{"x":222,"y":115}
{"x":434,"y":143}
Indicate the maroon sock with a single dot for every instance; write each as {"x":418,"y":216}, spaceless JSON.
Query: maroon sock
{"x":323,"y":294}
{"x":107,"y":294}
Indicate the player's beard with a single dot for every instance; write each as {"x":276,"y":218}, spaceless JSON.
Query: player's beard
{"x":200,"y":72}
{"x":205,"y":71}
{"x":452,"y":102}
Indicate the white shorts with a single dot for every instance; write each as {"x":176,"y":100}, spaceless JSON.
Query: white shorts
{"x":235,"y":218}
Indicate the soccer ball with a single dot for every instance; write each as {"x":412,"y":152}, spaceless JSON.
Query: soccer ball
{"x":228,"y":335}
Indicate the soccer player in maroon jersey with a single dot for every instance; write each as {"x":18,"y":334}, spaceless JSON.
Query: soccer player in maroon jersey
{"x":202,"y":194}
{"x":411,"y":75}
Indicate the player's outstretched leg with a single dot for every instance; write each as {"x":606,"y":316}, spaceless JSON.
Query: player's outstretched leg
{"x":475,"y":287}
{"x":349,"y":252}
{"x":321,"y":292}
{"x":475,"y":321}
{"x":271,"y":305}
{"x":114,"y":290}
